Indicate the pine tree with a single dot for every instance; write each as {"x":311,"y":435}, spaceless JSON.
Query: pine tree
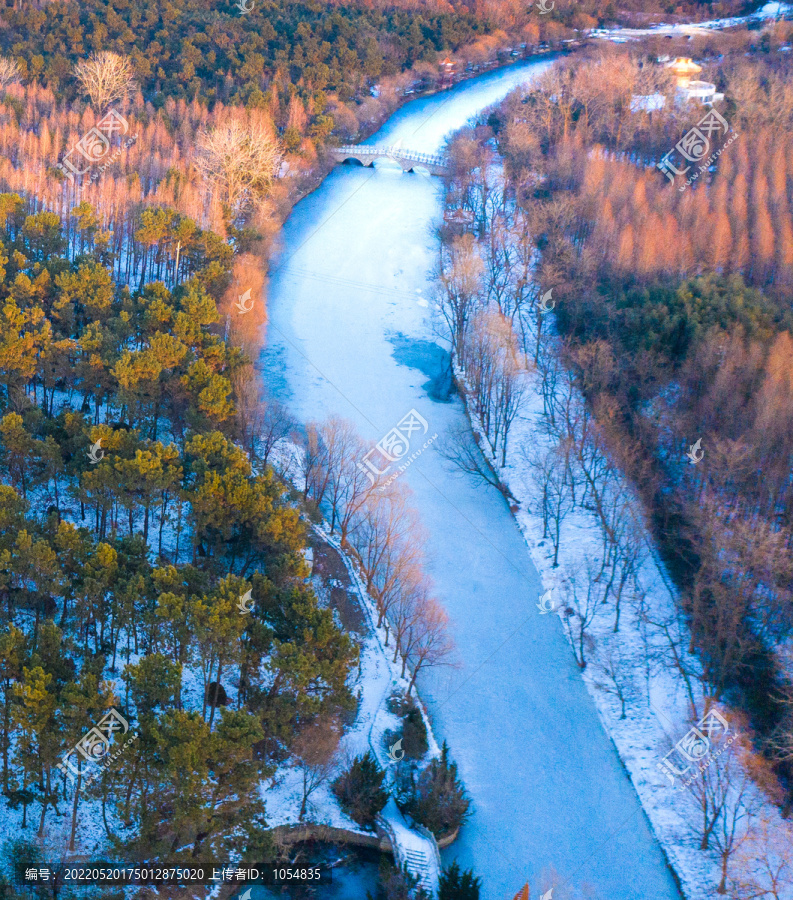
{"x":457,"y":884}
{"x":81,"y":705}
{"x":33,"y":716}
{"x":153,"y":683}
{"x":12,"y":659}
{"x":438,"y":799}
{"x":217,"y":624}
{"x":360,"y":790}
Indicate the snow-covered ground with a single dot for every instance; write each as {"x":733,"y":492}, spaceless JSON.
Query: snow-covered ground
{"x":350,"y":333}
{"x":771,"y":10}
{"x":378,"y":679}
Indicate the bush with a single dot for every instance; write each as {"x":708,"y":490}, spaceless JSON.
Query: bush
{"x":438,"y":799}
{"x":399,"y":704}
{"x":17,"y":855}
{"x":414,"y":735}
{"x":458,"y":885}
{"x":399,"y":884}
{"x":292,"y":139}
{"x":360,"y":790}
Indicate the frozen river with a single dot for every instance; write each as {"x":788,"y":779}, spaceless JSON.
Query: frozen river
{"x":350,"y":333}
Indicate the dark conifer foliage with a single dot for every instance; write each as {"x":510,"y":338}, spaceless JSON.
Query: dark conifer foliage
{"x":458,"y":884}
{"x":360,"y":790}
{"x":204,"y":49}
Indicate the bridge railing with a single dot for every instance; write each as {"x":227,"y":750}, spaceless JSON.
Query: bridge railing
{"x":392,"y":839}
{"x":392,"y":152}
{"x":425,"y":832}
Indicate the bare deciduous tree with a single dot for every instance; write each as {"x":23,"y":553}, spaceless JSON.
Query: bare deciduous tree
{"x":273,"y":424}
{"x":549,"y":367}
{"x":671,"y":652}
{"x":780,"y":741}
{"x":241,"y":160}
{"x":349,"y":483}
{"x":263,"y":422}
{"x":315,"y":465}
{"x":555,"y":501}
{"x":617,"y":676}
{"x":727,"y":801}
{"x":462,"y":449}
{"x":333,"y":471}
{"x":584,"y":596}
{"x":499,"y":259}
{"x":494,"y":369}
{"x":405,"y":612}
{"x":510,"y":386}
{"x":385,"y":536}
{"x":622,"y":547}
{"x":736,"y":572}
{"x":764,"y":863}
{"x":106,"y":77}
{"x":460,"y":286}
{"x":315,"y":748}
{"x":387,"y":539}
{"x":427,"y":643}
{"x":9,"y":71}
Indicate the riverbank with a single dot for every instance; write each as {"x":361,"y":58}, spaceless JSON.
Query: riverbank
{"x":383,"y":690}
{"x":642,"y":704}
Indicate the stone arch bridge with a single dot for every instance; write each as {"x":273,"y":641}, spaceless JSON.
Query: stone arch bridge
{"x":408,"y":159}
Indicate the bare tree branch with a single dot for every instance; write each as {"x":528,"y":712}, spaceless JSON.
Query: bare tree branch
{"x":106,"y":77}
{"x":9,"y":72}
{"x":241,"y":160}
{"x":462,"y":450}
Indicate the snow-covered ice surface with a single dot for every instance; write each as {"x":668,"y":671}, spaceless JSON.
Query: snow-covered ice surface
{"x":350,"y":333}
{"x":423,"y":125}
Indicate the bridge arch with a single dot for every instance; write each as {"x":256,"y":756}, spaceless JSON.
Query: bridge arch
{"x":355,"y":160}
{"x":408,"y":160}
